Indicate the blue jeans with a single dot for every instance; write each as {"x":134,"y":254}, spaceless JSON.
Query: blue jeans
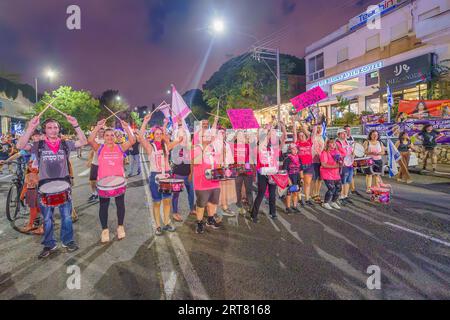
{"x":190,"y":190}
{"x":135,"y":161}
{"x":65,"y":211}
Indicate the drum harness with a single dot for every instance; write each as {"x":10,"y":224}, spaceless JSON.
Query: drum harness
{"x":65,"y":148}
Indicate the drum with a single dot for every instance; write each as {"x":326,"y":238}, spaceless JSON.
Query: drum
{"x":241,"y":169}
{"x":54,"y":193}
{"x":169,"y":186}
{"x":363,"y":163}
{"x":348,"y":161}
{"x":359,"y":150}
{"x":225,"y":173}
{"x":265,"y":171}
{"x":111,"y":187}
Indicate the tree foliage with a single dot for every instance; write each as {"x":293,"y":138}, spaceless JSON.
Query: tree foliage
{"x":243,"y":82}
{"x":79,"y":104}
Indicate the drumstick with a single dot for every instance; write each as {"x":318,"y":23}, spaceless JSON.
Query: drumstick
{"x":112,"y":113}
{"x":45,"y":109}
{"x":64,"y":114}
{"x":217,"y":116}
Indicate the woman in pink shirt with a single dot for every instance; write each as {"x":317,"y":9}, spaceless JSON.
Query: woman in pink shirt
{"x":330,"y":160}
{"x":304,"y":146}
{"x":110,"y":163}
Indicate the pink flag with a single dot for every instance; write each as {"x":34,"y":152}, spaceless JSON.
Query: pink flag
{"x":308,"y":98}
{"x":179,"y":107}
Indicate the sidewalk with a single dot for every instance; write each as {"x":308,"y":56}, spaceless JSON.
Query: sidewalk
{"x":442,"y":170}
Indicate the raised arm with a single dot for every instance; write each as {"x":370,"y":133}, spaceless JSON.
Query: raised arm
{"x":141,"y":133}
{"x":82,"y":141}
{"x":22,"y":144}
{"x":131,"y":138}
{"x":91,"y":139}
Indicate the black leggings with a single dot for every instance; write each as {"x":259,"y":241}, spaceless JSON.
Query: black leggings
{"x":248,"y":181}
{"x":334,"y":190}
{"x":104,"y":205}
{"x":263,"y":182}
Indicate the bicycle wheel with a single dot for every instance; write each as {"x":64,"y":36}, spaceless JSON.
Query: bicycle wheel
{"x":13,"y":202}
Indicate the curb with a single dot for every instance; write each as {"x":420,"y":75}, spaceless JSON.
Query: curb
{"x":430,"y":173}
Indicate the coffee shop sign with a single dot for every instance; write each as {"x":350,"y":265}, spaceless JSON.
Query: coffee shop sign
{"x":351,"y":74}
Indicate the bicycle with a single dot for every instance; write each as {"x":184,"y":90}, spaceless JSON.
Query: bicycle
{"x":13,"y":202}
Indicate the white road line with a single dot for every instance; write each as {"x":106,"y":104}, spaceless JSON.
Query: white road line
{"x":419,"y":234}
{"x":273,"y":223}
{"x":288,"y":227}
{"x":9,"y":175}
{"x":84,"y":173}
{"x":196,"y":288}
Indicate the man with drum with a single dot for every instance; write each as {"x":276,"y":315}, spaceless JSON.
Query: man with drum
{"x":111,"y":181}
{"x":52,"y":156}
{"x":346,"y":151}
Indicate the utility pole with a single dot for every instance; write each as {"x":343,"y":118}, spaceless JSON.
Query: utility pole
{"x":263,"y":54}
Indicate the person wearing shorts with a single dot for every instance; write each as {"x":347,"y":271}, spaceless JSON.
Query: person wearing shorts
{"x":346,"y":151}
{"x":304,"y":145}
{"x":318,"y":145}
{"x":207,"y":192}
{"x":374,"y":149}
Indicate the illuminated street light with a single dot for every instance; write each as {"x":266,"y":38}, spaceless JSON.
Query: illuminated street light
{"x":50,"y":74}
{"x":118,"y":98}
{"x":218,"y":26}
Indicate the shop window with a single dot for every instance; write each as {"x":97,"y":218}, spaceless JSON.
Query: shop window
{"x":372,"y":78}
{"x":373,"y":104}
{"x":354,"y":107}
{"x":345,"y":86}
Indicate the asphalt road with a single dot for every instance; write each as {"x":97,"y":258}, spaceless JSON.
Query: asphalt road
{"x":317,"y":254}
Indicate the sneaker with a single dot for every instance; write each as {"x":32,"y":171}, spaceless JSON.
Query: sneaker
{"x":200,"y":228}
{"x":335,"y":205}
{"x":288,"y":211}
{"x":356,"y":192}
{"x":169,"y":228}
{"x":158,"y":231}
{"x":47,"y":251}
{"x":228,"y":213}
{"x":348,"y":200}
{"x":302,"y":202}
{"x":273,"y":217}
{"x":296,"y":210}
{"x":93,"y":198}
{"x":212,"y":223}
{"x":71,"y":246}
{"x":327,"y":206}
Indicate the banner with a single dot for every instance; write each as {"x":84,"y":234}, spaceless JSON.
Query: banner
{"x":243,"y":119}
{"x":420,"y":109}
{"x":308,"y":98}
{"x":374,"y":118}
{"x":412,"y":127}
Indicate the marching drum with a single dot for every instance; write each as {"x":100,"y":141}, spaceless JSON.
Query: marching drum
{"x":111,"y":187}
{"x":363,"y":163}
{"x":169,"y":186}
{"x":359,"y":150}
{"x":225,"y":173}
{"x":54,"y":193}
{"x":242,"y":169}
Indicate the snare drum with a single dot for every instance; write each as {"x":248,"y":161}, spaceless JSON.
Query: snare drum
{"x":169,"y":186}
{"x":220,"y":174}
{"x":363,"y":163}
{"x":111,"y":187}
{"x":359,"y":150}
{"x":54,"y":193}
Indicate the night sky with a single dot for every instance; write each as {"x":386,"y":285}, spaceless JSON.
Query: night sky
{"x":140,"y":47}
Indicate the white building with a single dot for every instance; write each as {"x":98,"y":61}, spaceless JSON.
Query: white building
{"x":357,"y":60}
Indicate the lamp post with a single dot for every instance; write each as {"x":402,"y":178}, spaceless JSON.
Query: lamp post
{"x":50,"y":74}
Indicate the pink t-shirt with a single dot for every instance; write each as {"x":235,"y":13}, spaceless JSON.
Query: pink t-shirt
{"x":200,"y":181}
{"x":328,"y":173}
{"x":110,"y":162}
{"x":305,"y":151}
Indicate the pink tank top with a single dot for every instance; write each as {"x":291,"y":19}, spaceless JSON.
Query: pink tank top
{"x":376,"y":148}
{"x":110,"y":162}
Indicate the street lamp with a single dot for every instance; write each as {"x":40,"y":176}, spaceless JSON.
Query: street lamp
{"x":50,"y":74}
{"x":218,"y":26}
{"x":118,"y":98}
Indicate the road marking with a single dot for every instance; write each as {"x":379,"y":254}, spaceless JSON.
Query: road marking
{"x":196,"y":288}
{"x":419,"y":234}
{"x":273,"y":223}
{"x":288,"y":227}
{"x":9,"y":175}
{"x":84,"y":173}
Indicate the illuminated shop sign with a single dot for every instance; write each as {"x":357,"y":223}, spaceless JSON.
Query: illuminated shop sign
{"x":383,"y":8}
{"x":351,"y":74}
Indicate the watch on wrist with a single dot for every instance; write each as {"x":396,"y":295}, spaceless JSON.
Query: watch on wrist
{"x":77,"y":126}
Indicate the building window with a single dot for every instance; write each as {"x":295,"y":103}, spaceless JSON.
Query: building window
{"x":345,"y":86}
{"x":342,"y":55}
{"x":372,"y":78}
{"x":316,"y":68}
{"x":429,"y":14}
{"x":373,"y":42}
{"x":373,"y":104}
{"x":399,"y":30}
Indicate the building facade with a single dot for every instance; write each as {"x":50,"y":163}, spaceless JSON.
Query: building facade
{"x":12,"y":118}
{"x":398,"y":49}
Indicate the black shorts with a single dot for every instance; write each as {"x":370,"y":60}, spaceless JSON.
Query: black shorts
{"x":295,"y":179}
{"x":94,"y":172}
{"x":377,"y":168}
{"x":207,"y":196}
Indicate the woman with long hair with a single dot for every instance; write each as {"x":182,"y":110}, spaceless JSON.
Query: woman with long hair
{"x":375,"y":150}
{"x":330,"y":160}
{"x":304,"y":146}
{"x":404,"y":146}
